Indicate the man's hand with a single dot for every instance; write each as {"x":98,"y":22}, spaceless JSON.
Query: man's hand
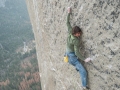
{"x":69,"y":10}
{"x":87,"y":59}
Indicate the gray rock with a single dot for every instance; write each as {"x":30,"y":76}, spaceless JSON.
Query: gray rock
{"x":100,"y":21}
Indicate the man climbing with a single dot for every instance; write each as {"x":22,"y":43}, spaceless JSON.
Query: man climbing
{"x":73,"y":53}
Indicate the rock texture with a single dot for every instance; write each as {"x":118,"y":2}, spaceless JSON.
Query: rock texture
{"x":100,"y":21}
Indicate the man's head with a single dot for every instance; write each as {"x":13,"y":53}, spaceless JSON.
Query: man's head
{"x":76,"y":31}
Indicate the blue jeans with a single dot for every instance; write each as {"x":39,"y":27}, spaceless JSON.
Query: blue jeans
{"x":75,"y":62}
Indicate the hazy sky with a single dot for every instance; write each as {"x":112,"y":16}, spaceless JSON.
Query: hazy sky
{"x":2,"y":3}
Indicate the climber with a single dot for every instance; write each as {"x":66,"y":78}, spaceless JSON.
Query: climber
{"x":73,"y":53}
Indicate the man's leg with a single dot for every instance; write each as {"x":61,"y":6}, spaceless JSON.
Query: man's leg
{"x":82,"y":72}
{"x":75,"y":62}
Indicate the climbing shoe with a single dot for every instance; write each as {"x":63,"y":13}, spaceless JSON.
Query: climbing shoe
{"x":86,"y":88}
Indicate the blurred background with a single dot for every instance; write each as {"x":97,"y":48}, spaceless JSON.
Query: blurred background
{"x":18,"y":62}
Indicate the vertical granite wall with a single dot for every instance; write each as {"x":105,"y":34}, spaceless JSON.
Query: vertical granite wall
{"x":100,"y":21}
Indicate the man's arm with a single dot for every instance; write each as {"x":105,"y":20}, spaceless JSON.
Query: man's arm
{"x":78,"y":54}
{"x":76,"y":49}
{"x":68,"y":21}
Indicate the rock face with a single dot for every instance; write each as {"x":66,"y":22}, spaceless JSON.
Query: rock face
{"x":100,"y":21}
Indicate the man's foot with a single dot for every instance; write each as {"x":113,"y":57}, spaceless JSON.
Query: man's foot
{"x":86,"y":88}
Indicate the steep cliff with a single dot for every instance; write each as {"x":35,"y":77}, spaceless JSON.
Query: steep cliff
{"x":100,"y":21}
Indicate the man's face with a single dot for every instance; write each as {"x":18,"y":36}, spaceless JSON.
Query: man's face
{"x":77,"y":34}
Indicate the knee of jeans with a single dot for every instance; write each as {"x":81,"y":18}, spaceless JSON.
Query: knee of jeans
{"x":84,"y":72}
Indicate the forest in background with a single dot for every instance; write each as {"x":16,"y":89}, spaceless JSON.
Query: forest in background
{"x":18,"y":68}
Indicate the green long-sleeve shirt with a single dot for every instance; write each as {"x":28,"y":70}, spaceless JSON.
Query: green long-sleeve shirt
{"x":73,"y":43}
